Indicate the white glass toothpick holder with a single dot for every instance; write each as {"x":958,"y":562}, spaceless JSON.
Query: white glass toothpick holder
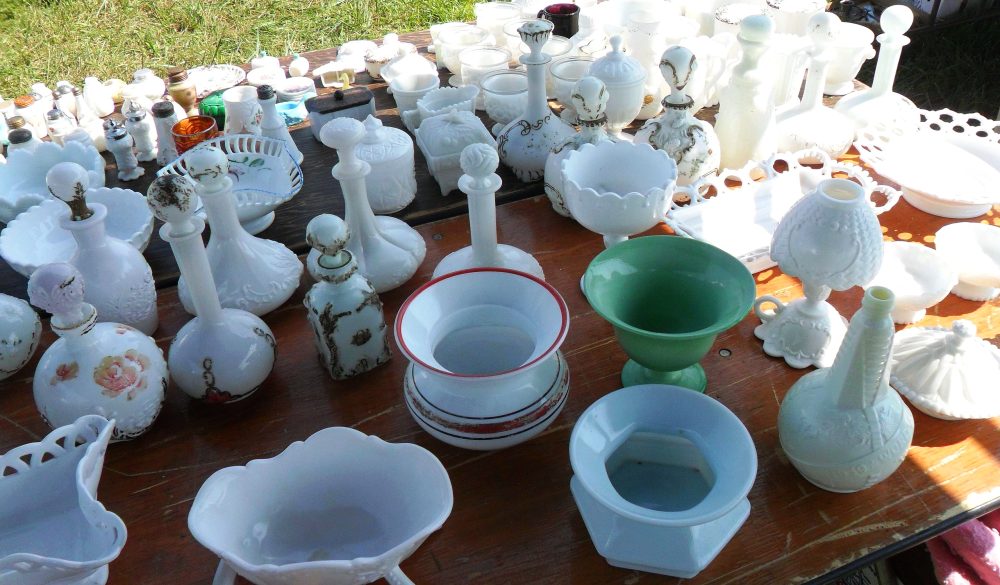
{"x":745,"y":124}
{"x":879,"y":104}
{"x":120,"y":281}
{"x":810,"y":124}
{"x":250,"y":273}
{"x":222,"y":355}
{"x":387,"y":250}
{"x":480,"y":182}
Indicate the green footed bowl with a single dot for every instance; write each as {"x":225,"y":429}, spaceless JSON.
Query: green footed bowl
{"x":667,"y":298}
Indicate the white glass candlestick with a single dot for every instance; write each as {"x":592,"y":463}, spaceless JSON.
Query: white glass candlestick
{"x":480,"y":182}
{"x":387,"y":251}
{"x":222,"y":355}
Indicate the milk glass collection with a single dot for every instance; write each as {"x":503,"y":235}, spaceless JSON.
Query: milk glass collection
{"x":593,"y":104}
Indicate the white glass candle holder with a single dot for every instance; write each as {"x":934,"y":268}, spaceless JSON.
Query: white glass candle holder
{"x":505,"y":95}
{"x":453,"y":41}
{"x":477,"y":62}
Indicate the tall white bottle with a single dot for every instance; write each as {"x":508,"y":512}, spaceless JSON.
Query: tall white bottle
{"x":271,"y":124}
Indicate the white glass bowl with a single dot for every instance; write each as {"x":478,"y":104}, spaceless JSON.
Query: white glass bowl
{"x":919,"y":276}
{"x":973,"y":249}
{"x":661,"y":476}
{"x":22,"y":179}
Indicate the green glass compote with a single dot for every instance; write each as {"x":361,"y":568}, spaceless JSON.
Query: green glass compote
{"x":667,"y":298}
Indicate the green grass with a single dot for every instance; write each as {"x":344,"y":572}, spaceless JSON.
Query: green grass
{"x":49,"y":40}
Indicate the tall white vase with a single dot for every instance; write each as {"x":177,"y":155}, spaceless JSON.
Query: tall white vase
{"x":843,"y":427}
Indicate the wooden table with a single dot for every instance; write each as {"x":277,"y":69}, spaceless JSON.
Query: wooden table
{"x":514,"y":519}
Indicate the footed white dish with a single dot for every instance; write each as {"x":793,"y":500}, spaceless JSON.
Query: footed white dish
{"x":973,"y":249}
{"x":919,"y":276}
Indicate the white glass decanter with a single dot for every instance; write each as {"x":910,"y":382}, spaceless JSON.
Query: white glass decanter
{"x":387,"y":251}
{"x":109,"y":369}
{"x":879,"y":104}
{"x":222,"y":355}
{"x":524,"y":144}
{"x":250,"y":273}
{"x":590,"y":99}
{"x":343,"y":307}
{"x":480,"y":182}
{"x":691,"y":142}
{"x":121,"y":282}
{"x":810,"y":124}
{"x":745,"y":124}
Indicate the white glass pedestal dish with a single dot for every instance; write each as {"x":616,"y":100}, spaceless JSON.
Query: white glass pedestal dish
{"x":661,"y":477}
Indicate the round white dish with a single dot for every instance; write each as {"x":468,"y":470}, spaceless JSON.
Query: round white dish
{"x":209,"y":78}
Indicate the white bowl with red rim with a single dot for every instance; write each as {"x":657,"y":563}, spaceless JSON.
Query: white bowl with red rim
{"x":485,"y":368}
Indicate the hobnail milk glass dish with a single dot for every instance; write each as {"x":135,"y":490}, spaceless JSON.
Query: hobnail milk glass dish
{"x":340,"y":508}
{"x":69,"y":537}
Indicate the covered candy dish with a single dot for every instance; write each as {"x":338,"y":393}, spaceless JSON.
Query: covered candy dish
{"x":409,"y":64}
{"x":618,"y":189}
{"x":20,"y":331}
{"x":625,"y":78}
{"x":486,"y":371}
{"x":524,"y":143}
{"x":440,"y":101}
{"x":661,"y":476}
{"x":480,"y":182}
{"x":340,"y":508}
{"x":22,"y":179}
{"x":108,"y":369}
{"x":843,"y":427}
{"x":830,"y":240}
{"x":222,"y":355}
{"x":71,"y":538}
{"x":35,"y":237}
{"x":263,"y":172}
{"x":392,"y":182}
{"x":699,"y":291}
{"x":947,"y":373}
{"x":919,"y":277}
{"x":973,"y":249}
{"x":441,"y":140}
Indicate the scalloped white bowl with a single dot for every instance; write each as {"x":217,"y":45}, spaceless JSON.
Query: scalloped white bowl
{"x":35,"y":238}
{"x":618,"y":189}
{"x":340,"y":508}
{"x":22,"y":179}
{"x":919,"y":276}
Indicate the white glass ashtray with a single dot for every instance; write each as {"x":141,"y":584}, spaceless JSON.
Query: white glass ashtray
{"x":661,"y":476}
{"x":264,"y":176}
{"x":35,"y":237}
{"x":741,"y":219}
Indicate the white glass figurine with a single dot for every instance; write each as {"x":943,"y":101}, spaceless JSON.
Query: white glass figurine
{"x":343,"y":307}
{"x":121,"y":282}
{"x":250,"y":273}
{"x":480,"y":182}
{"x":108,"y":369}
{"x":143,"y":131}
{"x":222,"y":355}
{"x":120,"y":143}
{"x":387,"y":251}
